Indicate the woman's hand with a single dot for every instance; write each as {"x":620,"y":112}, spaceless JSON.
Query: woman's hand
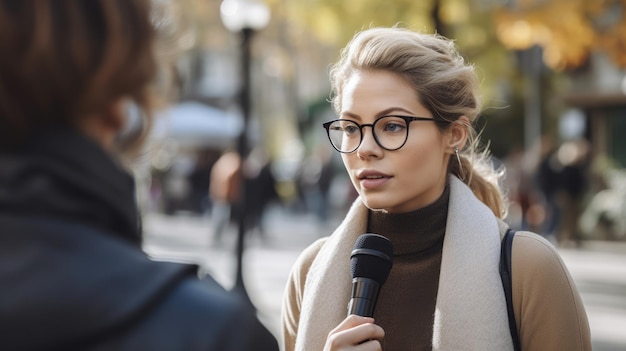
{"x":355,"y":333}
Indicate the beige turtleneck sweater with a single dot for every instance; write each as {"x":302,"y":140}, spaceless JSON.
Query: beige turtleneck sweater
{"x":406,"y":302}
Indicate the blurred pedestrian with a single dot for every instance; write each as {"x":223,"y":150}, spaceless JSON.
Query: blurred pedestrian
{"x":72,"y":270}
{"x":516,"y":182}
{"x":406,"y":102}
{"x":573,"y":157}
{"x":200,"y":181}
{"x":315,"y":179}
{"x":548,"y":180}
{"x":260,"y":191}
{"x":224,"y":191}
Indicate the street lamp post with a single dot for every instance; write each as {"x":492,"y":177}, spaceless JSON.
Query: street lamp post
{"x":244,"y":17}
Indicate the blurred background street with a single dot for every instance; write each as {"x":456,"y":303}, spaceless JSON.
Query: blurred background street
{"x":599,"y":268}
{"x":236,"y":148}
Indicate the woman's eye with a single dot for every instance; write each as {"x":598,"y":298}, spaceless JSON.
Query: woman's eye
{"x":349,"y":129}
{"x":393,"y":127}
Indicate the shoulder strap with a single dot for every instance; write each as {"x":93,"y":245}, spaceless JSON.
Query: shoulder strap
{"x":507,"y":282}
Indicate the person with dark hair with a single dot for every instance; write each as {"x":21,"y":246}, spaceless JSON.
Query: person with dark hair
{"x":72,"y":269}
{"x":405,"y":103}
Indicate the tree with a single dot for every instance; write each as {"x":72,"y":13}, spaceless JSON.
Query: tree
{"x":567,"y":30}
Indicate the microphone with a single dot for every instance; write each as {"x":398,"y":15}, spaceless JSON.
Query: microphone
{"x":370,"y":262}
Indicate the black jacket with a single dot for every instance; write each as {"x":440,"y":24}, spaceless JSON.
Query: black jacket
{"x":72,"y":272}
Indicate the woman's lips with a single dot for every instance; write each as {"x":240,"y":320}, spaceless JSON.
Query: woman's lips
{"x":371,"y":179}
{"x":373,"y":183}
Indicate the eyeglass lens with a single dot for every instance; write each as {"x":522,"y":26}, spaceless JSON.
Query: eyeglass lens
{"x":389,"y":132}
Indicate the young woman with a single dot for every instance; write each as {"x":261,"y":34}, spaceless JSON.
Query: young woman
{"x":405,"y":103}
{"x":72,"y":271}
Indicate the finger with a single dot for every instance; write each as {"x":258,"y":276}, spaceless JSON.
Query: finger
{"x":370,"y":345}
{"x":368,"y":331}
{"x":352,"y":321}
{"x":366,"y":335}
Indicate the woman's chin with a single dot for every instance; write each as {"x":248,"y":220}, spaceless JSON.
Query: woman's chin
{"x":375,"y":205}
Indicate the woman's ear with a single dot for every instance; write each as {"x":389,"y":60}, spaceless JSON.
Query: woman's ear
{"x":459,"y":133}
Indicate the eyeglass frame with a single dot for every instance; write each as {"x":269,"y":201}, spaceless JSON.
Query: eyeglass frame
{"x":407,"y":120}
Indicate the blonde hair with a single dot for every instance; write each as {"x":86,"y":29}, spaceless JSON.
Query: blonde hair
{"x":445,"y":85}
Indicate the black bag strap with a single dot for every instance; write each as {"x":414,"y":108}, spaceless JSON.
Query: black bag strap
{"x":507,"y":282}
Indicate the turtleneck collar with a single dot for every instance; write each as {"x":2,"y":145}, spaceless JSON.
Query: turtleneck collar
{"x":419,"y":231}
{"x":65,"y":175}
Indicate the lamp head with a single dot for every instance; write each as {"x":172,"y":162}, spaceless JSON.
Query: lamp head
{"x":238,"y":15}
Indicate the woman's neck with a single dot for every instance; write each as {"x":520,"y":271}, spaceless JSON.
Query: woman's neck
{"x":415,"y":231}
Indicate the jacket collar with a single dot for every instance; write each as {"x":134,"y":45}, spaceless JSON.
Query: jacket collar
{"x":64,"y":174}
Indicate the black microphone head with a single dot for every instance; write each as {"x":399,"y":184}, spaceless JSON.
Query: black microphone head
{"x":372,"y":257}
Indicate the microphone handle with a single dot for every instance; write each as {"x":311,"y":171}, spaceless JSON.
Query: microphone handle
{"x":364,"y":296}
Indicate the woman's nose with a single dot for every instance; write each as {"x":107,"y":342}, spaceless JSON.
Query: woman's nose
{"x":369,"y":147}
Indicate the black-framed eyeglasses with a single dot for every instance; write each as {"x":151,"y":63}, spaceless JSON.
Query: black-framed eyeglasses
{"x":390,"y":132}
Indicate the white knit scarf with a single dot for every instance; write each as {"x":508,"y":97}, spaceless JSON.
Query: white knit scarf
{"x":470,"y":311}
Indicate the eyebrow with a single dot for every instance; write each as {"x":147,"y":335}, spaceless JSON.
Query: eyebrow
{"x":384,"y":112}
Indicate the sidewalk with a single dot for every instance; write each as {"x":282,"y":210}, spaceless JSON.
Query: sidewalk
{"x":266,"y":264}
{"x":599,"y":268}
